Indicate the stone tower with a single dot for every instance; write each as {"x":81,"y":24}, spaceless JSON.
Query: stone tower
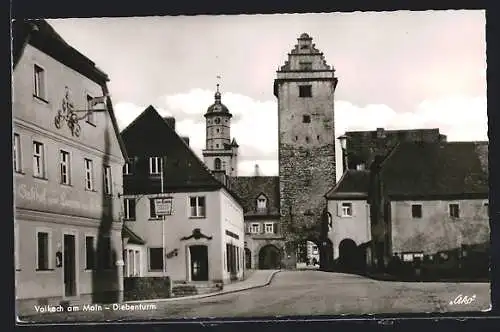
{"x":305,"y":88}
{"x":220,"y":153}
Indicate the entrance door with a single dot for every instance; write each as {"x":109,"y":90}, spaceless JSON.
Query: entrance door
{"x":69,"y":265}
{"x":199,"y":263}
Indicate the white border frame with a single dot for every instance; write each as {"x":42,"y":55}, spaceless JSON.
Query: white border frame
{"x":19,"y":152}
{"x":92,"y":174}
{"x":341,"y":206}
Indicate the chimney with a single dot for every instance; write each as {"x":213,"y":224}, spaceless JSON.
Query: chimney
{"x":170,"y":120}
{"x":257,"y":170}
{"x":186,"y":139}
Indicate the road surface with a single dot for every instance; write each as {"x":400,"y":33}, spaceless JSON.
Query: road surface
{"x":294,"y":293}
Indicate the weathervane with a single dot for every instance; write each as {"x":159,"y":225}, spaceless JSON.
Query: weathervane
{"x":69,"y":114}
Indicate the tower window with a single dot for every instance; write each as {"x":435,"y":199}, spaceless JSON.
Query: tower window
{"x":307,"y":139}
{"x":317,"y":137}
{"x":305,"y":91}
{"x":217,"y":146}
{"x":296,"y":137}
{"x":306,"y":118}
{"x":217,"y":163}
{"x":217,"y":129}
{"x":305,"y":65}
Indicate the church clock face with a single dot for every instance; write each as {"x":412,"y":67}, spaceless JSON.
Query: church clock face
{"x":217,"y":120}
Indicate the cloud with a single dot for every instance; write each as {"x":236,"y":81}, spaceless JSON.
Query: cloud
{"x":126,"y":112}
{"x":460,"y":118}
{"x":255,"y":122}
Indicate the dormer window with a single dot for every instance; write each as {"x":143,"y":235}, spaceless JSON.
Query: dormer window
{"x":261,"y":202}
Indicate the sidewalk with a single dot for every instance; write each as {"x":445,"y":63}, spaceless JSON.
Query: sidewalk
{"x":255,"y":279}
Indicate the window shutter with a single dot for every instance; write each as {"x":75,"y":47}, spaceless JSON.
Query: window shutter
{"x":339,"y":209}
{"x":353,"y":209}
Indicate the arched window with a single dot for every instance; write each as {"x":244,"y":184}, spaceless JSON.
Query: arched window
{"x":217,"y":164}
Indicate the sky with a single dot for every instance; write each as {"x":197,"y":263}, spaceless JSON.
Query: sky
{"x":396,"y":70}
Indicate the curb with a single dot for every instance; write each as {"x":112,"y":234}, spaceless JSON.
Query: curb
{"x":201,"y":296}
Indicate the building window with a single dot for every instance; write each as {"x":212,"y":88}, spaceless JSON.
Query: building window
{"x":154,"y":165}
{"x":197,"y":206}
{"x":38,"y":160}
{"x":410,"y":257}
{"x":416,"y":210}
{"x":255,"y":229}
{"x":156,"y":259}
{"x":487,"y":208}
{"x":126,"y":169}
{"x":454,"y":210}
{"x":129,"y":208}
{"x":90,"y":113}
{"x":65,"y":167}
{"x":43,"y":250}
{"x":107,"y":180}
{"x":89,"y":252}
{"x":217,"y":164}
{"x":306,"y":119}
{"x":305,"y":91}
{"x":269,"y":228}
{"x":39,"y":86}
{"x":261,"y":203}
{"x":16,"y":153}
{"x":305,"y":65}
{"x":346,"y":209}
{"x":89,"y":174}
{"x":307,"y":139}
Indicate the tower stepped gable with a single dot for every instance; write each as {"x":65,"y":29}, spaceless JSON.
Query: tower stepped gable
{"x":305,"y":87}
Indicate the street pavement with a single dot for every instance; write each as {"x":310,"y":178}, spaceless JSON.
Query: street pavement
{"x":307,"y":293}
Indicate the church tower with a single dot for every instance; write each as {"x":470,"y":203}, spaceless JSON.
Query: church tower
{"x":220,"y":153}
{"x":305,"y":87}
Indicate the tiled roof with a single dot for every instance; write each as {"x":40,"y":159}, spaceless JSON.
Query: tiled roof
{"x":353,"y":183}
{"x":150,"y":135}
{"x":249,"y":188}
{"x":40,"y":34}
{"x":436,"y":169}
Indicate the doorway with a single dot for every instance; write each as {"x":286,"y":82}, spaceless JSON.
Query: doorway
{"x":69,"y":265}
{"x":199,"y":263}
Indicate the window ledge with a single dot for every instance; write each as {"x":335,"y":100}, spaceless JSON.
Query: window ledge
{"x":44,"y":270}
{"x":197,"y":217}
{"x":18,"y":270}
{"x":89,"y":270}
{"x":155,"y":219}
{"x":132,"y":219}
{"x":67,"y":185}
{"x":40,"y":178}
{"x":19,"y":173}
{"x":90,"y":190}
{"x":40,"y":99}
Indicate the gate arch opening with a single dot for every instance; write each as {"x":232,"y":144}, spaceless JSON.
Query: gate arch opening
{"x":269,"y":257}
{"x":350,"y":257}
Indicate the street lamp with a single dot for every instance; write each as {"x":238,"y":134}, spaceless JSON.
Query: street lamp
{"x":343,"y":144}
